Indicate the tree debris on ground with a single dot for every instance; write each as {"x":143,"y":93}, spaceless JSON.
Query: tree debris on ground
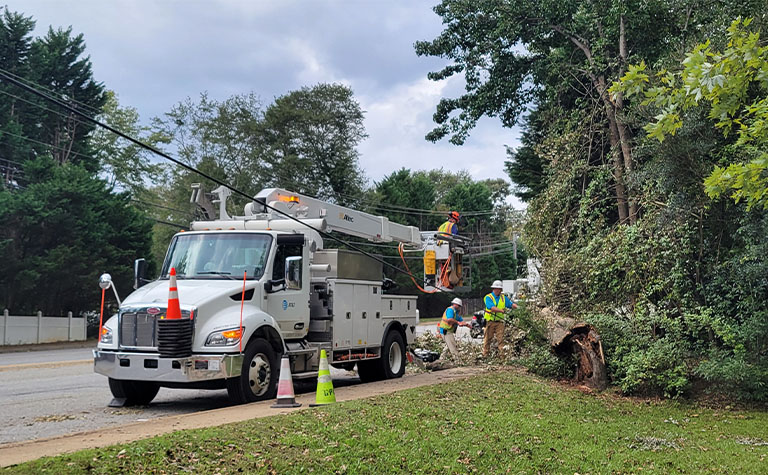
{"x":528,"y":336}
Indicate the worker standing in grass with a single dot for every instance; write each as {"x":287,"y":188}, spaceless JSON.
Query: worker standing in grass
{"x":495,"y":303}
{"x":448,"y":324}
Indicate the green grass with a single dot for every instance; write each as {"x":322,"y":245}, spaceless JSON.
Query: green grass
{"x":430,"y":320}
{"x":494,"y":423}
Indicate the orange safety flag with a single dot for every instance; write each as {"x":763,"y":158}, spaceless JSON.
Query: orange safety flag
{"x":101,"y":313}
{"x":242,"y":302}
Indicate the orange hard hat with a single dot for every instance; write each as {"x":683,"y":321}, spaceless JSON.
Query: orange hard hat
{"x":454,"y":215}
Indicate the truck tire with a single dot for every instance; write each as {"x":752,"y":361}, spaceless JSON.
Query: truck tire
{"x":390,"y":365}
{"x":258,"y":376}
{"x":135,"y":393}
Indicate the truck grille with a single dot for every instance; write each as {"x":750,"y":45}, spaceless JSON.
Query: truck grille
{"x":138,"y":329}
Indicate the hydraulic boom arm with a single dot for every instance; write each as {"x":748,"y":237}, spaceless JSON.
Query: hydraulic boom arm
{"x":338,"y":218}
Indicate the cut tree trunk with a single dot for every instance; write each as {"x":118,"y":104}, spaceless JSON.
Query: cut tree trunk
{"x":585,"y":342}
{"x":567,"y":337}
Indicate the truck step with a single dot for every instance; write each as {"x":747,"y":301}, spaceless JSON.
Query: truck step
{"x":305,"y":375}
{"x":301,"y":351}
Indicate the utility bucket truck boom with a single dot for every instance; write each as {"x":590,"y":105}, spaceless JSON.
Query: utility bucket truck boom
{"x":296,"y":296}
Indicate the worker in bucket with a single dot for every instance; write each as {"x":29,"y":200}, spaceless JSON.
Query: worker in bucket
{"x":495,"y":304}
{"x":452,"y":225}
{"x":447,"y":327}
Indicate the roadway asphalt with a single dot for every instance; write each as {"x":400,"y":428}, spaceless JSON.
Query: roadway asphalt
{"x":55,"y":392}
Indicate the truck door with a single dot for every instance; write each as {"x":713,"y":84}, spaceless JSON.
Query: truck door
{"x":290,"y":307}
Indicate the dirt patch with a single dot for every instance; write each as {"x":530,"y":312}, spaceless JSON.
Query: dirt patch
{"x":14,"y":453}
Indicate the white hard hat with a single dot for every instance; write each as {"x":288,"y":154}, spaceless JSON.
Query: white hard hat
{"x":497,"y":285}
{"x":456,"y":301}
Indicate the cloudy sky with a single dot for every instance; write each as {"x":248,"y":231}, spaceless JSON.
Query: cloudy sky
{"x":155,"y":53}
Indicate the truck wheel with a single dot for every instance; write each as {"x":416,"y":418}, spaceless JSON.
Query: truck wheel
{"x":393,"y":355}
{"x":135,"y":393}
{"x":258,"y":376}
{"x":390,"y":365}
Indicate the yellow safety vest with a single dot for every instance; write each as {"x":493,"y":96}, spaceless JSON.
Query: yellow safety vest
{"x":444,"y":322}
{"x":446,"y":227}
{"x":500,"y":304}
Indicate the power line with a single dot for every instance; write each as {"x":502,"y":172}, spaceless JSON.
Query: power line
{"x":168,"y":223}
{"x":49,"y":145}
{"x":190,"y":168}
{"x":59,"y":113}
{"x":94,"y":110}
{"x":157,"y":205}
{"x":385,"y":206}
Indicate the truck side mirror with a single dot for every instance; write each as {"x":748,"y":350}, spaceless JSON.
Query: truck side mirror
{"x":293,"y":273}
{"x":139,"y":272}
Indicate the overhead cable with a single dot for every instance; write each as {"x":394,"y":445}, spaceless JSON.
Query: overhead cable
{"x":190,"y":168}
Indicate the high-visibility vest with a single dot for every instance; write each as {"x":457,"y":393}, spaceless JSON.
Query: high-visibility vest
{"x":444,"y":322}
{"x":499,"y":303}
{"x":446,"y":227}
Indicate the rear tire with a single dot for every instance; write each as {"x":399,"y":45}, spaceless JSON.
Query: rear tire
{"x":390,"y":365}
{"x":258,"y":375}
{"x":135,"y":393}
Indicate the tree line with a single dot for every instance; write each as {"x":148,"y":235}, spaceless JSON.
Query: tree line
{"x":77,"y":200}
{"x":643,"y":162}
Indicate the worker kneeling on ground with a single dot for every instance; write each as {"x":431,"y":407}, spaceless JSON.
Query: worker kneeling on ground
{"x":448,"y":324}
{"x":495,"y":303}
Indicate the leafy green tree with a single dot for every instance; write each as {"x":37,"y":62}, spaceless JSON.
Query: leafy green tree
{"x":733,"y":84}
{"x":58,"y":64}
{"x":514,"y":54}
{"x":217,"y":135}
{"x":310,"y":137}
{"x":403,"y":189}
{"x":525,"y":166}
{"x":60,"y":225}
{"x":59,"y":234}
{"x":508,"y":50}
{"x":15,"y":45}
{"x":126,"y":165}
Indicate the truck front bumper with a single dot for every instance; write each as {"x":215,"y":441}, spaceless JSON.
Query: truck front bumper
{"x":150,"y":367}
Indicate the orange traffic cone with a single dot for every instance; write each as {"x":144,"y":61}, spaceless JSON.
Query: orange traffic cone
{"x":174,"y":335}
{"x":174,"y":309}
{"x":285,"y":395}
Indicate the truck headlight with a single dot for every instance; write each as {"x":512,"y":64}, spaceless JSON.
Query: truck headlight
{"x":224,"y":337}
{"x":106,"y":335}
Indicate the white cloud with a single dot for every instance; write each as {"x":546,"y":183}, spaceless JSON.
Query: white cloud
{"x":398,"y":120}
{"x":156,"y":53}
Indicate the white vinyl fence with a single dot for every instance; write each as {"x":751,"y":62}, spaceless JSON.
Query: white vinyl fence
{"x":24,"y":330}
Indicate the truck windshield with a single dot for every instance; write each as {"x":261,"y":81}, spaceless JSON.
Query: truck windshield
{"x":218,"y":256}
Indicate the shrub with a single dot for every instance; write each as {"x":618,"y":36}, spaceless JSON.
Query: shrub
{"x":658,"y":368}
{"x":540,"y":360}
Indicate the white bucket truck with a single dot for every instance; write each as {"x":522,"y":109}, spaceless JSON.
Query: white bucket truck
{"x":298,"y":298}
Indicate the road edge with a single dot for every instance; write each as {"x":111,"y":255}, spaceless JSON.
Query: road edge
{"x":19,"y":452}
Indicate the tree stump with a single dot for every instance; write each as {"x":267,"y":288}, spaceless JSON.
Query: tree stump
{"x":585,"y":342}
{"x":567,"y":337}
